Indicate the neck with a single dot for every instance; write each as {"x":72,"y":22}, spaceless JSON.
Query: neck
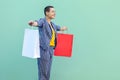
{"x":48,"y":19}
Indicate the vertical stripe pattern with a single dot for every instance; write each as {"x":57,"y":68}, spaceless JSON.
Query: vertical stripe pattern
{"x":44,"y":63}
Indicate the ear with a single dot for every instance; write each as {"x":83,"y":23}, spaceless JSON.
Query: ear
{"x":46,"y":13}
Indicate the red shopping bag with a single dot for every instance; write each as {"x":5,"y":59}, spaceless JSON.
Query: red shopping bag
{"x":64,"y":45}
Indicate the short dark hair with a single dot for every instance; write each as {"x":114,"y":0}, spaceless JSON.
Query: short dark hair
{"x":47,"y":9}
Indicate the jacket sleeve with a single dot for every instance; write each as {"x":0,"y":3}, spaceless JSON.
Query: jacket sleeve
{"x":58,"y":27}
{"x":40,"y":22}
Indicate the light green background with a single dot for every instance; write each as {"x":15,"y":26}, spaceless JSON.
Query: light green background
{"x":96,"y":28}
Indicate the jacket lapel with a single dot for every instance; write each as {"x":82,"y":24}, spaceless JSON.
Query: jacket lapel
{"x":53,"y":27}
{"x":47,"y":29}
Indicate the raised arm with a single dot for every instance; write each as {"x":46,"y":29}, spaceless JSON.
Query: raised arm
{"x":36,"y":23}
{"x":63,"y":28}
{"x":33,"y":23}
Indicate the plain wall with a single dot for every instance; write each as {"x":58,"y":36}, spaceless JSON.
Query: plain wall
{"x":96,"y":49}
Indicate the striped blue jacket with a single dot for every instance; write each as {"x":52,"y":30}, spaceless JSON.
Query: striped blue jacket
{"x":45,"y":32}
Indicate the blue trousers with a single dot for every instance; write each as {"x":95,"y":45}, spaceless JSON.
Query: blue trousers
{"x":44,"y":63}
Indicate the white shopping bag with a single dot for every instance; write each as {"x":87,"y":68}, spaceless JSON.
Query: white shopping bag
{"x":31,"y":44}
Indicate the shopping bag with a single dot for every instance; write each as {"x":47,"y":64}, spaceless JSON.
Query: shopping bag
{"x":31,"y":44}
{"x":64,"y":45}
